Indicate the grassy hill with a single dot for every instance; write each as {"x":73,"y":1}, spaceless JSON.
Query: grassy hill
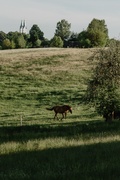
{"x":33,"y":79}
{"x":81,"y":147}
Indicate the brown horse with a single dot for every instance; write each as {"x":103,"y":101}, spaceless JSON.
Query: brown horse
{"x":62,"y":110}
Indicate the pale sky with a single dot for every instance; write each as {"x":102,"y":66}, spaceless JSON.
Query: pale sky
{"x":46,"y":14}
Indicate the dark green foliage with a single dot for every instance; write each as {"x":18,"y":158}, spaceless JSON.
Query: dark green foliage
{"x":35,"y":35}
{"x":84,"y":40}
{"x":17,"y":40}
{"x":2,"y":37}
{"x":72,"y":41}
{"x":63,"y":29}
{"x":6,"y":44}
{"x":45,"y":43}
{"x":96,"y":34}
{"x":20,"y":42}
{"x":56,"y":41}
{"x":103,"y":88}
{"x":13,"y":35}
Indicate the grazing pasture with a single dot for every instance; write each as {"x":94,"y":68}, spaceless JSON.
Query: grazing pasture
{"x":35,"y":146}
{"x":33,"y":79}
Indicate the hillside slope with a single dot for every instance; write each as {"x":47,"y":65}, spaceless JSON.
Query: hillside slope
{"x":33,"y":79}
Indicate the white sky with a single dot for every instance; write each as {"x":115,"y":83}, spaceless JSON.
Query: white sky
{"x":46,"y":14}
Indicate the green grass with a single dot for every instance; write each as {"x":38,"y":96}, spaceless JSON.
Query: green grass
{"x":32,"y":80}
{"x":60,"y":151}
{"x":82,"y":146}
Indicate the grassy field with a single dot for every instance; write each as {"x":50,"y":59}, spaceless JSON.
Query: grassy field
{"x":82,"y":146}
{"x":32,"y":80}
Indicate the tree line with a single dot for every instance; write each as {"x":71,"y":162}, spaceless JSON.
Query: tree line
{"x":96,"y":35}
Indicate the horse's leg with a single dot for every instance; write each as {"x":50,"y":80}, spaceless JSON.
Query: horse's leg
{"x":55,"y":116}
{"x":62,"y":116}
{"x":65,"y":114}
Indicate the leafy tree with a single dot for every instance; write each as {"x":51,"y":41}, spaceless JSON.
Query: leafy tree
{"x":20,"y":41}
{"x":26,"y":38}
{"x":83,"y":39}
{"x":72,"y":41}
{"x":37,"y":43}
{"x":35,"y":34}
{"x":56,"y":41}
{"x":63,"y":29}
{"x":103,"y":88}
{"x":97,"y":33}
{"x":2,"y":37}
{"x":12,"y":35}
{"x":15,"y":38}
{"x":13,"y":45}
{"x":111,"y":41}
{"x":45,"y":43}
{"x":6,"y":44}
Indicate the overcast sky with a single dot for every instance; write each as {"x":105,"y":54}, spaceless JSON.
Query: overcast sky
{"x":46,"y":14}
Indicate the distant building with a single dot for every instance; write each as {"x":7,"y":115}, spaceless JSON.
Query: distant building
{"x":23,"y":27}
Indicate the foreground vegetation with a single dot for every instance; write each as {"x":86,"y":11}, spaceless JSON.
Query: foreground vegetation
{"x":60,"y":151}
{"x":81,"y":147}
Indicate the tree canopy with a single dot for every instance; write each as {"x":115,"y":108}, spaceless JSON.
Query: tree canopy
{"x":35,"y":35}
{"x":96,"y":35}
{"x":56,"y":42}
{"x":63,"y":29}
{"x":104,"y":85}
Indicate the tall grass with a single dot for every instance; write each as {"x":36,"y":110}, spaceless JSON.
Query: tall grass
{"x":60,"y":151}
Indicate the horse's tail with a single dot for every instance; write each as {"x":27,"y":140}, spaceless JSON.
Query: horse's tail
{"x":50,"y":108}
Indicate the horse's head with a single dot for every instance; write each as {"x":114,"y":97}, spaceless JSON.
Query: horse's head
{"x":70,"y":110}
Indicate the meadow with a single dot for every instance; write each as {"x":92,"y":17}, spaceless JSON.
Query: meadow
{"x":35,"y":146}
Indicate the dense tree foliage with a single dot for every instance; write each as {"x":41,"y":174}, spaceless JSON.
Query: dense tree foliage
{"x":96,"y":35}
{"x":56,"y":42}
{"x":6,"y":44}
{"x":45,"y":43}
{"x":14,"y":40}
{"x":36,"y":36}
{"x":20,"y":41}
{"x":13,"y":35}
{"x":63,"y":29}
{"x":84,"y":41}
{"x":2,"y":38}
{"x":72,"y":41}
{"x":103,"y":88}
